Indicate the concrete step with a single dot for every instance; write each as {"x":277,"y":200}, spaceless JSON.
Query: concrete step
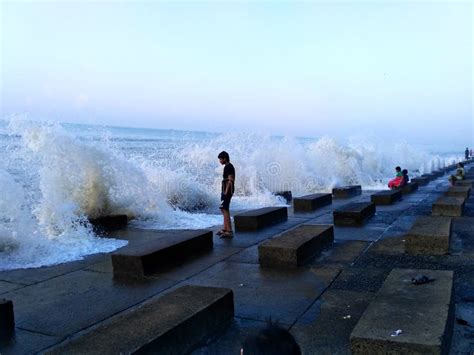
{"x":287,"y":195}
{"x":312,"y":202}
{"x":409,"y":188}
{"x":430,"y":176}
{"x":421,"y":181}
{"x":466,"y":182}
{"x":458,"y":191}
{"x":424,"y":313}
{"x":294,"y":247}
{"x":109,"y":223}
{"x":448,"y":206}
{"x":7,"y":320}
{"x":386,"y":197}
{"x":429,"y":235}
{"x":353,"y":214}
{"x":346,"y":191}
{"x":139,"y":261}
{"x":260,"y":218}
{"x":174,"y":323}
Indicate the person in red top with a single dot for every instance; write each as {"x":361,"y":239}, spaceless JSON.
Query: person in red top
{"x":398,"y":180}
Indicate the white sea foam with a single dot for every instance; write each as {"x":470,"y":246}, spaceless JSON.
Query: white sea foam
{"x":25,"y":243}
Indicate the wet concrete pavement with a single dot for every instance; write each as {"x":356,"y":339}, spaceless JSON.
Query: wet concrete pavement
{"x":320,"y":303}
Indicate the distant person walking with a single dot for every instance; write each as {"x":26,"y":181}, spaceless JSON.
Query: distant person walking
{"x":228,"y":183}
{"x":398,"y":180}
{"x":466,"y":153}
{"x":471,"y":153}
{"x":459,"y":174}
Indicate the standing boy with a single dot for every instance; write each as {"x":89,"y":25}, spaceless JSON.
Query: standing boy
{"x":228,"y":181}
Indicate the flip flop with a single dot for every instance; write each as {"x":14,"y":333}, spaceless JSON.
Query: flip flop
{"x":222,"y":231}
{"x":227,"y":234}
{"x":421,"y":279}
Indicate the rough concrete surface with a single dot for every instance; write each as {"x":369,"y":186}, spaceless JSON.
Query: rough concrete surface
{"x":320,"y":303}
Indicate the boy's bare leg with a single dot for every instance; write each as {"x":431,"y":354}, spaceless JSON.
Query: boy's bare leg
{"x":223,"y":215}
{"x":227,"y":223}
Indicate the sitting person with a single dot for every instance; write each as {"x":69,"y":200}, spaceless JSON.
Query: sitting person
{"x":398,"y":180}
{"x":459,"y":174}
{"x":406,"y":178}
{"x":272,"y":340}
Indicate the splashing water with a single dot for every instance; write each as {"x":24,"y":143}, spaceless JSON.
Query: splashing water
{"x":58,"y":176}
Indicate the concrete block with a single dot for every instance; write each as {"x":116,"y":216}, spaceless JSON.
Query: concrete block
{"x":466,"y":182}
{"x":294,"y":247}
{"x":170,"y":324}
{"x":260,"y":218}
{"x":7,"y":319}
{"x":346,"y":191}
{"x":287,"y":195}
{"x":429,"y":176}
{"x":138,"y":261}
{"x":424,"y":312}
{"x":448,"y":206}
{"x":429,"y":235}
{"x":109,"y":223}
{"x":312,"y":202}
{"x":386,"y":197}
{"x":420,"y":181}
{"x":458,"y":191}
{"x":353,"y":214}
{"x":409,"y":188}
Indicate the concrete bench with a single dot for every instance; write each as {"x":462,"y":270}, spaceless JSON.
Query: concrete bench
{"x":109,"y":223}
{"x":139,"y":261}
{"x":420,"y":181}
{"x":287,"y":195}
{"x":312,"y":202}
{"x":294,"y":247}
{"x":346,"y":191}
{"x":466,"y":182}
{"x":7,"y":319}
{"x":260,"y":218}
{"x":409,"y":188}
{"x":429,"y":176}
{"x":353,"y":214}
{"x":425,"y":314}
{"x":458,"y":191}
{"x":448,"y":206}
{"x":429,"y":235}
{"x":170,"y":324}
{"x":386,"y":197}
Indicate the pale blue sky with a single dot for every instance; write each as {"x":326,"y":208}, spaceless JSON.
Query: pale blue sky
{"x":398,"y":69}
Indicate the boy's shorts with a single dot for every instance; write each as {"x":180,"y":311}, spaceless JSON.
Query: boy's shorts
{"x":225,"y":202}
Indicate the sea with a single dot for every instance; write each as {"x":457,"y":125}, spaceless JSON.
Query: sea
{"x":54,"y":176}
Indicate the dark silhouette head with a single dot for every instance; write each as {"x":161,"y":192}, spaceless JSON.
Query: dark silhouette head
{"x":404,"y":171}
{"x":272,"y":340}
{"x":461,"y":165}
{"x":224,"y":156}
{"x":398,"y":169}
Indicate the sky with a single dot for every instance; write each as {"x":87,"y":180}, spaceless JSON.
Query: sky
{"x":395,"y":69}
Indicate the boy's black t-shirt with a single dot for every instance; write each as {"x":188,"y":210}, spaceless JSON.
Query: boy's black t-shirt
{"x":228,"y":170}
